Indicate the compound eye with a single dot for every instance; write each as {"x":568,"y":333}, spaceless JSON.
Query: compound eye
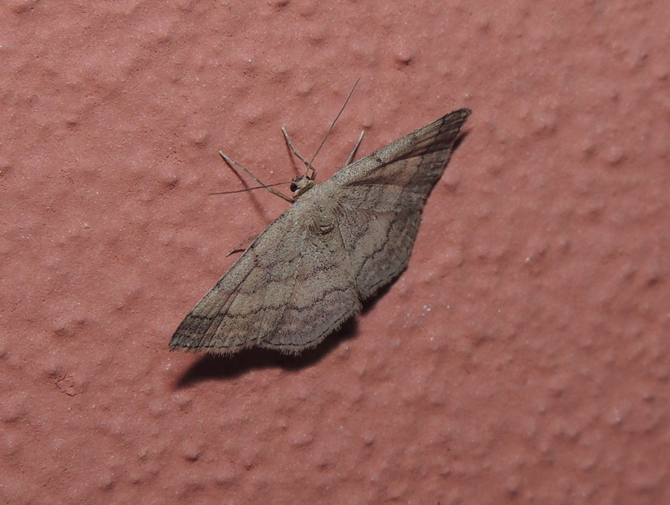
{"x":293,"y":187}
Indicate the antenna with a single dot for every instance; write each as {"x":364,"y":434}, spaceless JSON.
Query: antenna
{"x":249,"y":189}
{"x":309,"y":165}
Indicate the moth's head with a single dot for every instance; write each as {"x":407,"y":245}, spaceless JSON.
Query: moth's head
{"x":300,"y":184}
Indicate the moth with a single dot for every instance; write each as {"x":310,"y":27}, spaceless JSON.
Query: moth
{"x":341,"y":241}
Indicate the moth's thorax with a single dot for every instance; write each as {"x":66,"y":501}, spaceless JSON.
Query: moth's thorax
{"x":318,"y":209}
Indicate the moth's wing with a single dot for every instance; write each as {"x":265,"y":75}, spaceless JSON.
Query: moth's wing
{"x":382,"y":196}
{"x":246,"y":304}
{"x":324,"y":293}
{"x":289,"y":290}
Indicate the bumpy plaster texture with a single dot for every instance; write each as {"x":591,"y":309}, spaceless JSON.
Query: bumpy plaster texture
{"x":521,"y":358}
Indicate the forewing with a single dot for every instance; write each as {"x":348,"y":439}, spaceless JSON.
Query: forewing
{"x":248,"y":301}
{"x":290,"y":289}
{"x":385,"y":166}
{"x":382,"y":196}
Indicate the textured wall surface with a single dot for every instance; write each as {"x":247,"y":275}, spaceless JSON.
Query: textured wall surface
{"x":522,"y":357}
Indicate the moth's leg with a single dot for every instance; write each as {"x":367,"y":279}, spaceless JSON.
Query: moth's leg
{"x":290,"y":144}
{"x":295,"y":151}
{"x":353,"y":152}
{"x":265,"y":186}
{"x":238,"y":247}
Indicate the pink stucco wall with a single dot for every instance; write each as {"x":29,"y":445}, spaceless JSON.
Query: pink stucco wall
{"x":523,"y":357}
